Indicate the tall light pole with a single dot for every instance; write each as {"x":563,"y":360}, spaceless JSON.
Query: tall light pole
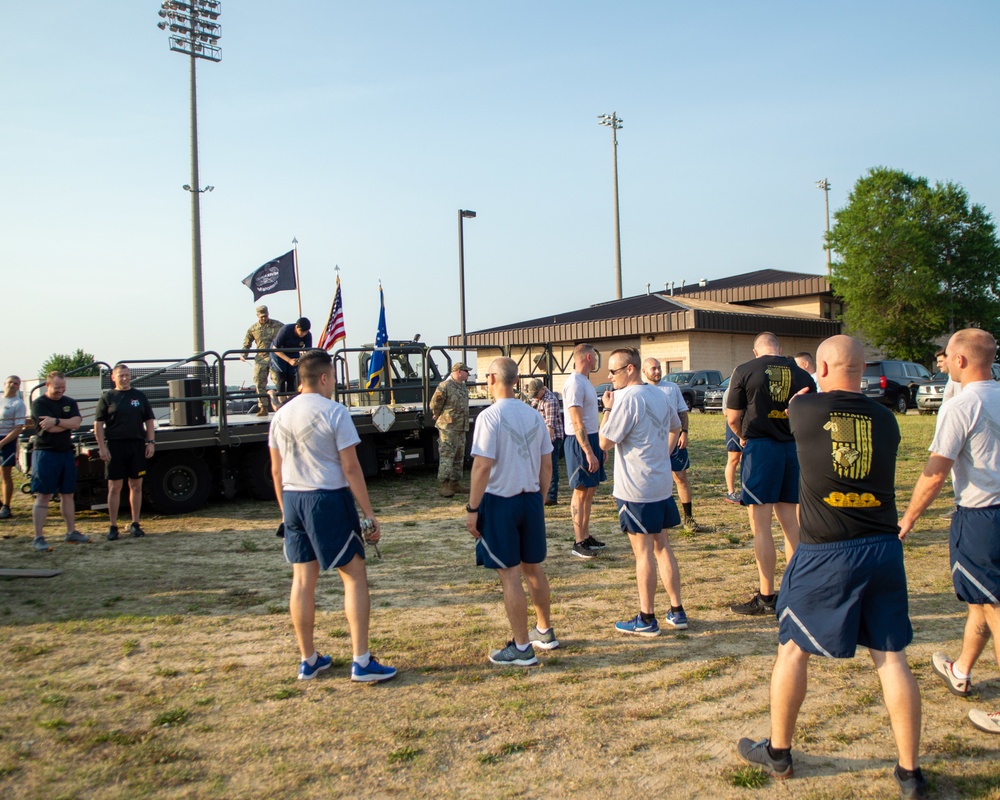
{"x":825,"y":186}
{"x":614,"y":122}
{"x":195,"y":33}
{"x":462,"y":216}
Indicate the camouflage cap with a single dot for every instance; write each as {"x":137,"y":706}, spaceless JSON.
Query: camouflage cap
{"x":262,"y":309}
{"x":534,"y":385}
{"x":460,"y":365}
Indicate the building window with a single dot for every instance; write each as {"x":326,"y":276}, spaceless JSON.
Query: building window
{"x":674,"y":366}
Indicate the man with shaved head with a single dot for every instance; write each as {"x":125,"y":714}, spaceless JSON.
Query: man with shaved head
{"x":967,"y":444}
{"x":757,"y":412}
{"x":845,"y":585}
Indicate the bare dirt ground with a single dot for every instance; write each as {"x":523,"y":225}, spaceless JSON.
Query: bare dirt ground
{"x":165,"y":667}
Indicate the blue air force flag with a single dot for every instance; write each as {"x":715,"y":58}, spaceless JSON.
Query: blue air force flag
{"x":378,"y":356}
{"x":275,"y":276}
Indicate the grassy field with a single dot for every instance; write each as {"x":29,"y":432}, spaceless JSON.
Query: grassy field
{"x":165,"y":667}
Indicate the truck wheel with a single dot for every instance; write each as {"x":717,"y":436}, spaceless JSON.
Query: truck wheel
{"x":178,"y":483}
{"x":689,"y":399}
{"x":257,"y":472}
{"x":900,"y":405}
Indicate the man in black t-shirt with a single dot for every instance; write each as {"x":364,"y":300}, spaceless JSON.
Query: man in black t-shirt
{"x":53,"y":462}
{"x":845,"y":585}
{"x":124,"y":427}
{"x":756,"y":411}
{"x":284,"y":366}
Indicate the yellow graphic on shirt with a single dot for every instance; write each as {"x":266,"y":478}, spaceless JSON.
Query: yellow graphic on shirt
{"x":779,"y":382}
{"x":851,"y":440}
{"x":851,"y":500}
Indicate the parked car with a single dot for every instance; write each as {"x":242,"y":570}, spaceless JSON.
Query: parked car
{"x":713,"y":398}
{"x":694,"y":384}
{"x":894,"y":383}
{"x":930,"y":395}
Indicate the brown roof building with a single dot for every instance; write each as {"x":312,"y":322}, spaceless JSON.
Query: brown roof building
{"x":706,"y":325}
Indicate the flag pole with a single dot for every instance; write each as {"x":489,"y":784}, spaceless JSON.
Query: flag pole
{"x":298,"y":283}
{"x":343,"y":350}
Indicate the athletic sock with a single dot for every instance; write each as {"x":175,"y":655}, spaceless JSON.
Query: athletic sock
{"x":311,"y":661}
{"x":687,"y":509}
{"x":524,"y":648}
{"x":647,"y":618}
{"x":677,"y":609}
{"x":778,"y":753}
{"x":542,"y":631}
{"x":363,"y":660}
{"x":961,"y":676}
{"x":767,"y":598}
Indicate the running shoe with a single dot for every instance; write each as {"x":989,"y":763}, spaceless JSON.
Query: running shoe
{"x":512,"y":656}
{"x":678,"y":620}
{"x":112,"y":533}
{"x":912,"y":788}
{"x":373,"y":673}
{"x":945,"y":668}
{"x":580,"y":550}
{"x":988,"y":721}
{"x":40,"y":544}
{"x":733,"y":497}
{"x":690,"y":525}
{"x":77,"y":538}
{"x":307,"y":673}
{"x":638,"y":627}
{"x":755,"y":605}
{"x":135,"y":530}
{"x":593,"y":543}
{"x":755,"y":754}
{"x":4,"y":512}
{"x":546,"y":641}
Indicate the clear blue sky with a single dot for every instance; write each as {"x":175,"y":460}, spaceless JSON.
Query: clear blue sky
{"x":361,"y":129}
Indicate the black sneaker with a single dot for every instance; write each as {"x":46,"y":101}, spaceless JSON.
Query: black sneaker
{"x":580,"y":550}
{"x":912,"y":788}
{"x":112,"y":533}
{"x":756,"y":605}
{"x":135,"y":530}
{"x":593,"y":544}
{"x":755,"y":754}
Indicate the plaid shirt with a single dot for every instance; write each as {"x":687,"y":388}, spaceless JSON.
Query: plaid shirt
{"x":548,"y":405}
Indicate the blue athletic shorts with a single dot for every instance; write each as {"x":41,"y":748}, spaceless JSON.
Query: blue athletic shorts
{"x":576,"y":463}
{"x":128,"y":459}
{"x":837,"y":596}
{"x":322,"y":526}
{"x":512,"y":530}
{"x":732,"y":441}
{"x":53,"y":472}
{"x":679,"y":460}
{"x":647,"y":517}
{"x":769,"y":472}
{"x":8,"y":454}
{"x":975,"y":554}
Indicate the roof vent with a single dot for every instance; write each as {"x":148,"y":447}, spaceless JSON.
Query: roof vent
{"x":703,"y":283}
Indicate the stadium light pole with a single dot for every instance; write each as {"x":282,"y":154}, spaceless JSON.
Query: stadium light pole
{"x":614,"y":122}
{"x":462,"y":216}
{"x":825,"y":186}
{"x":195,"y":32}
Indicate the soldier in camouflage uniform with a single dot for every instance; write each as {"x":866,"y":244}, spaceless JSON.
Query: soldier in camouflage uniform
{"x":450,"y":408}
{"x":262,"y":333}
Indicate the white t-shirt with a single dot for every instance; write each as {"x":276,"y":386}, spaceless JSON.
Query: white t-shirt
{"x":639,"y":423}
{"x":12,"y":414}
{"x":968,"y":432}
{"x":578,"y":391}
{"x":309,"y":432}
{"x":514,"y":435}
{"x":674,"y":395}
{"x":951,"y":388}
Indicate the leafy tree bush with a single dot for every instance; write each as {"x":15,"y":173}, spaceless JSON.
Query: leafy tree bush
{"x":68,"y":363}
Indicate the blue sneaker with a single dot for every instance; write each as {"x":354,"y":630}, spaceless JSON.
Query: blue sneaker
{"x":373,"y":673}
{"x":677,"y":619}
{"x":638,"y":627}
{"x":307,"y":673}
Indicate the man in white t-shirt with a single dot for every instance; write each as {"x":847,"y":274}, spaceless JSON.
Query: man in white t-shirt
{"x":584,"y":457}
{"x":679,"y":459}
{"x":952,"y":387}
{"x":505,"y":515}
{"x":642,"y":425}
{"x":12,"y":415}
{"x":967,"y":443}
{"x":317,"y":479}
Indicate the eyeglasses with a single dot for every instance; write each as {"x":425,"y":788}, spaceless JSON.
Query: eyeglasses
{"x":613,"y":372}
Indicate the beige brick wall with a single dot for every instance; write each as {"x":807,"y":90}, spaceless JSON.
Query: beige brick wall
{"x":804,"y":305}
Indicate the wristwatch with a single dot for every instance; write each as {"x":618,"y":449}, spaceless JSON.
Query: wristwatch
{"x":471,"y":510}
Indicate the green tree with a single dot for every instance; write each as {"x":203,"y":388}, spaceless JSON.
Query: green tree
{"x":915,"y":262}
{"x":68,"y":363}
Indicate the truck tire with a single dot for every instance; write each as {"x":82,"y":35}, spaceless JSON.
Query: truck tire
{"x":178,"y":483}
{"x":257,"y":473}
{"x":689,"y":399}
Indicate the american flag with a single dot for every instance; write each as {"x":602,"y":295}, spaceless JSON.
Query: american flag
{"x":334,"y":330}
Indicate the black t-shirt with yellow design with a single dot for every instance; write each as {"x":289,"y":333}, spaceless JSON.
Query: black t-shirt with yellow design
{"x":847,"y":447}
{"x":761,"y":389}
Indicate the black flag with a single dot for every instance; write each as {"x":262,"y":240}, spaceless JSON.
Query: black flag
{"x":275,"y":276}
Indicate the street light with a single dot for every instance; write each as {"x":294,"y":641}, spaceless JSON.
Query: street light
{"x":462,"y":215}
{"x":614,"y":122}
{"x":825,"y":186}
{"x":194,"y":32}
